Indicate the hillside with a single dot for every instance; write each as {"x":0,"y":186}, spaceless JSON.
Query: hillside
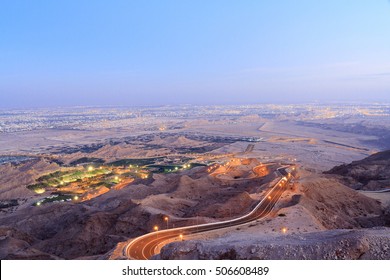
{"x":324,"y":218}
{"x":90,"y":229}
{"x":371,"y":173}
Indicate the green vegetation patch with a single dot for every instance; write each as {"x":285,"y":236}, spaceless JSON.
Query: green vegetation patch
{"x":54,"y":198}
{"x":53,"y":175}
{"x":107,"y":184}
{"x":164,"y":168}
{"x":63,"y":177}
{"x":36,"y":187}
{"x":197,"y":164}
{"x":135,"y":161}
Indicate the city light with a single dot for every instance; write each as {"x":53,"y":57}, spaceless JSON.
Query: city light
{"x":115,"y":137}
{"x":39,"y":190}
{"x":166,"y":219}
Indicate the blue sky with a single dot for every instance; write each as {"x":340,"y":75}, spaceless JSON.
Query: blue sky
{"x":65,"y":53}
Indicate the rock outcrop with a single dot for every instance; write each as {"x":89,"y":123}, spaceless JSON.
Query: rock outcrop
{"x":90,"y":229}
{"x":371,"y":173}
{"x":325,"y":245}
{"x":336,"y":206}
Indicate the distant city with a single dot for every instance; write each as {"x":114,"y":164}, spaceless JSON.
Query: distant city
{"x":95,"y":117}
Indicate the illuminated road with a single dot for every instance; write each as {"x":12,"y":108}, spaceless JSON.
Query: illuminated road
{"x":258,"y":171}
{"x":145,"y":246}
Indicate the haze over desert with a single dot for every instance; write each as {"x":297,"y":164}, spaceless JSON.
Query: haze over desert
{"x":139,"y":139}
{"x":87,"y":190}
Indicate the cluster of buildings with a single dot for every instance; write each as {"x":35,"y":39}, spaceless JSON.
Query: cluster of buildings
{"x":157,"y":118}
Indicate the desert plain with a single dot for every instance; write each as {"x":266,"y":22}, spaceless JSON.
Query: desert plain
{"x":84,"y":184}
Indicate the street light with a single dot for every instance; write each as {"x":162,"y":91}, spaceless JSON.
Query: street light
{"x":167,"y":220}
{"x":155,"y":228}
{"x":284,"y":230}
{"x":181,"y":237}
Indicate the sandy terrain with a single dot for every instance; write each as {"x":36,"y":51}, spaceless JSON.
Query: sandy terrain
{"x":93,"y":227}
{"x":309,"y":206}
{"x":384,"y":198}
{"x":340,"y":244}
{"x":308,"y":212}
{"x":14,"y":179}
{"x":314,"y":204}
{"x":319,"y":148}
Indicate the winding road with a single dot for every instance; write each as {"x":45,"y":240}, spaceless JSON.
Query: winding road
{"x":145,"y":246}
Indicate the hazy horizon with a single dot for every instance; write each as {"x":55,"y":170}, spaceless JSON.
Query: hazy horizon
{"x":201,"y":53}
{"x":140,"y":106}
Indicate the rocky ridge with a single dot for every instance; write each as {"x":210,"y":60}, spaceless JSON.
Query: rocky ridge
{"x":326,"y":245}
{"x":370,"y":174}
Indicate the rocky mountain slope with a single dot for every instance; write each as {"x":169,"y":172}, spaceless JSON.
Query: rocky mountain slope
{"x":15,"y":178}
{"x":337,"y":206}
{"x":371,"y":173}
{"x":326,"y":245}
{"x":92,"y":228}
{"x":339,"y":221}
{"x":353,"y":226}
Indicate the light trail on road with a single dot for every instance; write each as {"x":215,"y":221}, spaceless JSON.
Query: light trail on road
{"x":146,"y":246}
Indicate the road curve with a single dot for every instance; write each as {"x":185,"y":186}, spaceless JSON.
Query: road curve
{"x":145,"y":246}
